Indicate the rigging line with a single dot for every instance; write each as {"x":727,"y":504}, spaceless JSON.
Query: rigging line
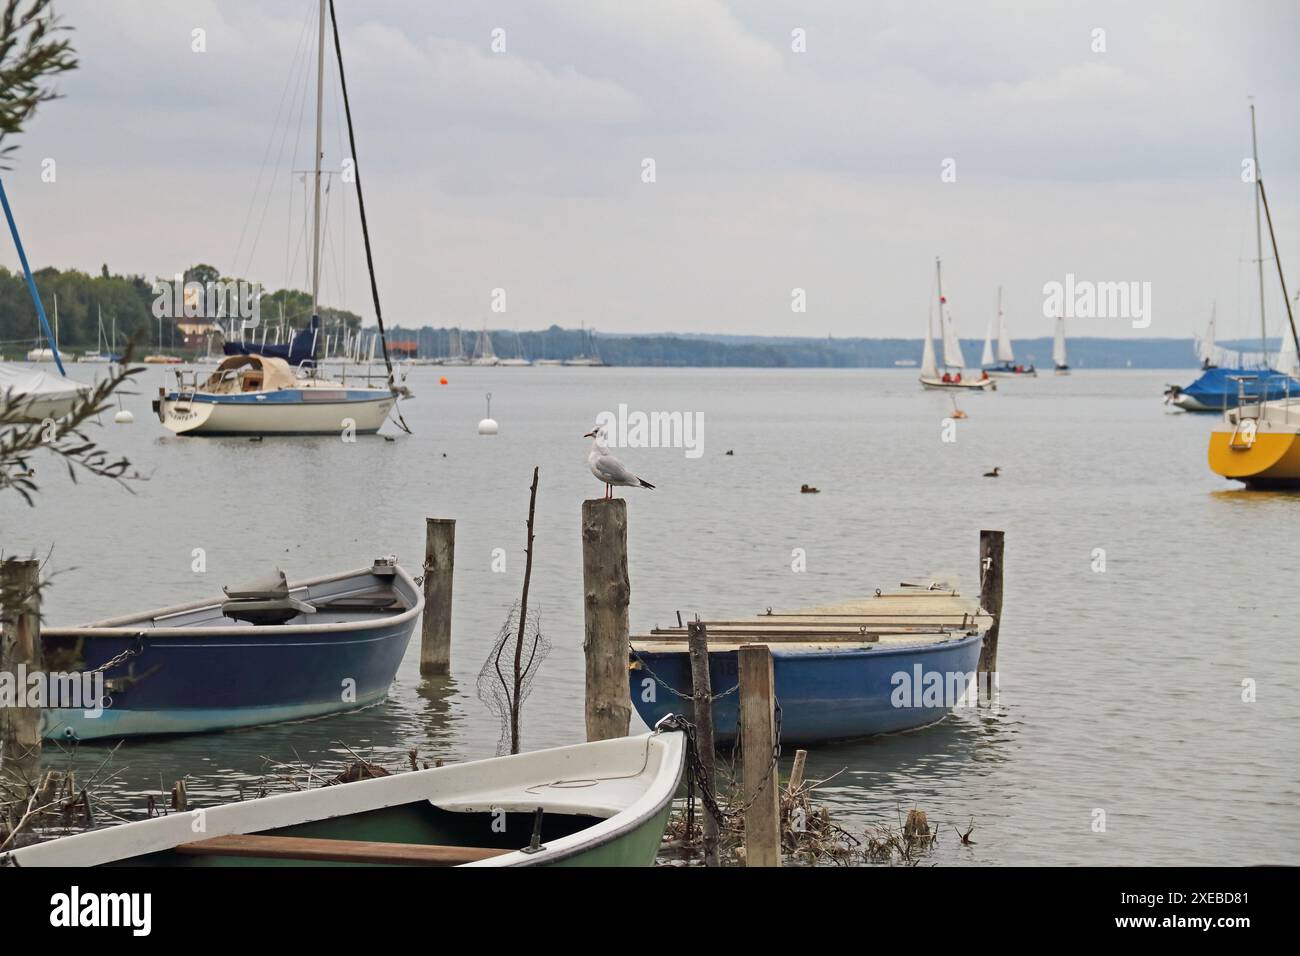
{"x":343,"y":197}
{"x":297,"y":148}
{"x":279,"y":162}
{"x":361,"y":207}
{"x":270,"y":141}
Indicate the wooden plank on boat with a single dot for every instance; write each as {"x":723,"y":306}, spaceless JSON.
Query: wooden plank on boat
{"x":337,"y":851}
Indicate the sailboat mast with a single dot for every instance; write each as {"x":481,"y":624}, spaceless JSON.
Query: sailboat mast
{"x":315,"y":222}
{"x":1259,"y":238}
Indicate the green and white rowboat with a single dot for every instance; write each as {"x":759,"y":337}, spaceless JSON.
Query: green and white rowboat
{"x":596,"y":804}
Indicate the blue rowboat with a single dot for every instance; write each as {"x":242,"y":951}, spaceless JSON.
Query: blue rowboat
{"x":826,"y":692}
{"x":895,"y":662}
{"x":269,"y":653}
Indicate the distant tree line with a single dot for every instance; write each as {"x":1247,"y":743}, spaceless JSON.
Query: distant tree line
{"x":738,"y":351}
{"x":128,"y":301}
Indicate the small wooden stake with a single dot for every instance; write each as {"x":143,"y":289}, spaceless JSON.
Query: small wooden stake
{"x":702,"y":717}
{"x":439,"y":565}
{"x":607,"y":593}
{"x":20,"y":646}
{"x":516,"y":701}
{"x":991,"y":543}
{"x":796,"y":772}
{"x":758,"y":743}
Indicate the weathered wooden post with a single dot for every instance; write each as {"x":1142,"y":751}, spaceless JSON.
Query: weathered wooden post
{"x":758,"y":745}
{"x":607,"y":593}
{"x":702,"y":717}
{"x":439,"y":565}
{"x":991,"y":601}
{"x":20,"y":647}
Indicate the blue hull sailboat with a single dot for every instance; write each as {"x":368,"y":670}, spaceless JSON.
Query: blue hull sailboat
{"x":893,"y":663}
{"x":268,"y":653}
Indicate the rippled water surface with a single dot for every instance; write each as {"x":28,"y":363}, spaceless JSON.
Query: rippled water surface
{"x":1121,"y":690}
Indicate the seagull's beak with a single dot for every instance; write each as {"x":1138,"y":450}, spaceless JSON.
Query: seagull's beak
{"x":590,"y":434}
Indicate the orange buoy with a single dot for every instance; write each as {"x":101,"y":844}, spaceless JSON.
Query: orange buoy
{"x":443,"y":380}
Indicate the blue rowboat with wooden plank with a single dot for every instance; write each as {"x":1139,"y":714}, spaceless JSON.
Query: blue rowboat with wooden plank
{"x":894,"y":662}
{"x":267,"y":653}
{"x":596,"y":804}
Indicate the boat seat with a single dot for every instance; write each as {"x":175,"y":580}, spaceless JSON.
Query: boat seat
{"x":267,"y":601}
{"x":337,"y":851}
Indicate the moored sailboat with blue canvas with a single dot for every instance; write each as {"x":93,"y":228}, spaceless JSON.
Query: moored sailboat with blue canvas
{"x":278,"y":390}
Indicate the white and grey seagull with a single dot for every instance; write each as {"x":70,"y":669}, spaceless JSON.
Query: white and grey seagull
{"x":608,"y":468}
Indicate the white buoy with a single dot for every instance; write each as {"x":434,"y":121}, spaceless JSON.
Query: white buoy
{"x":123,"y":417}
{"x":488,"y":426}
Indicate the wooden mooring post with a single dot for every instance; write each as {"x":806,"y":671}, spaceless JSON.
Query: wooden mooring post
{"x":991,"y":543}
{"x":20,"y":650}
{"x":607,"y":593}
{"x":439,"y":565}
{"x":702,"y":717}
{"x":758,"y":747}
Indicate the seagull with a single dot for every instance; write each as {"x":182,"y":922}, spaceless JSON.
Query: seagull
{"x":993,"y":473}
{"x":608,"y":468}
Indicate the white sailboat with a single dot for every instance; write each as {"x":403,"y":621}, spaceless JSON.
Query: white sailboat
{"x":40,"y":354}
{"x":1058,"y":348}
{"x":263,"y":394}
{"x":484,"y":354}
{"x":99,"y":355}
{"x":1003,"y":365}
{"x":590,"y":358}
{"x":954,"y":362}
{"x":520,"y":360}
{"x":1207,"y":349}
{"x":455,"y":350}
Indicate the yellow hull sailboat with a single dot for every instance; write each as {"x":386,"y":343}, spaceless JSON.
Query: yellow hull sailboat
{"x":1259,"y":443}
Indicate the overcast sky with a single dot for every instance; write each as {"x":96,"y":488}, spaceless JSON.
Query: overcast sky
{"x":775,"y":169}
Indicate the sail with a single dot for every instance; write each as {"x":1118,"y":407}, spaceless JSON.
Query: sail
{"x":929,"y":368}
{"x":1058,"y":347}
{"x":1004,"y":341}
{"x":987,"y":357}
{"x":1206,"y":348}
{"x":952,"y":357}
{"x":1288,"y":362}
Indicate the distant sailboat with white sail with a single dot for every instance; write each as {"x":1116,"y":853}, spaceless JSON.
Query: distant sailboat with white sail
{"x":1207,"y":350}
{"x":954,"y":362}
{"x":1003,"y":364}
{"x":1058,"y":348}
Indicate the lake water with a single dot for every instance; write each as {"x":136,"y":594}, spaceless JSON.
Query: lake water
{"x":1121,"y":689}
